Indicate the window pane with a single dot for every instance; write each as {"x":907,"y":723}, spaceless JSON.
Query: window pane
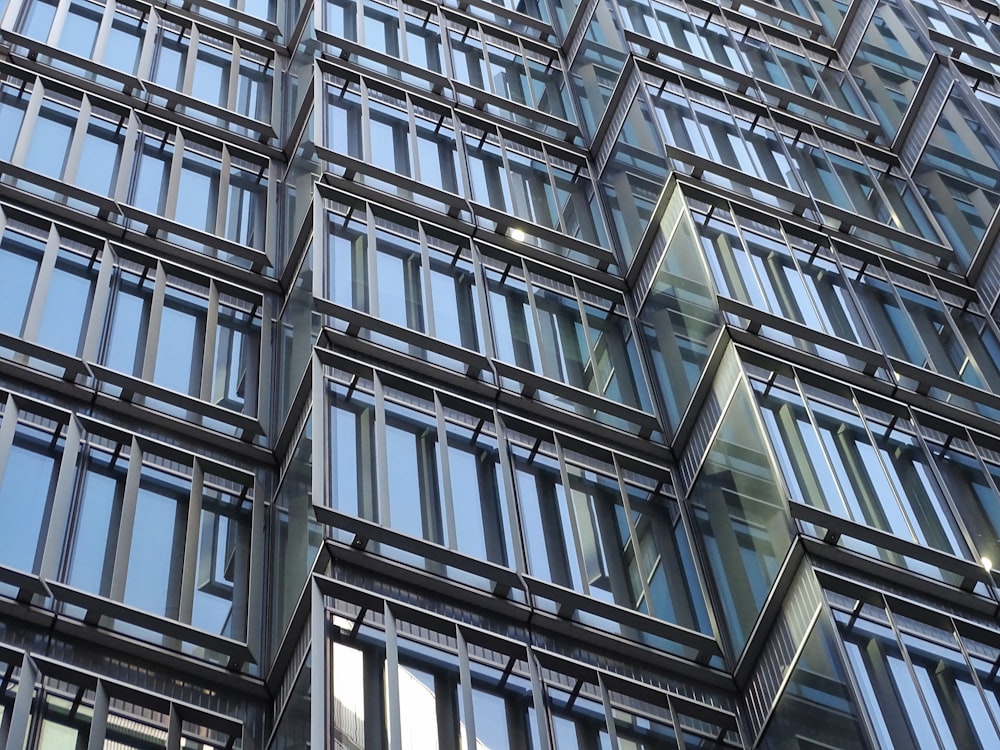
{"x":67,"y":304}
{"x":180,"y":351}
{"x":157,"y":550}
{"x":25,"y":493}
{"x":100,"y":157}
{"x":20,"y":257}
{"x":50,"y":139}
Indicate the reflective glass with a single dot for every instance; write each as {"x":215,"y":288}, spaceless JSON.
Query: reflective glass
{"x":20,"y":257}
{"x":26,"y":490}
{"x":68,"y":304}
{"x":50,"y":139}
{"x":13,"y":103}
{"x":100,"y":156}
{"x":741,"y":515}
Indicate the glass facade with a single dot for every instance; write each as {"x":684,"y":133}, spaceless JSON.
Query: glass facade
{"x":528,"y":374}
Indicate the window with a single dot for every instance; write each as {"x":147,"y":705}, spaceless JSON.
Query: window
{"x":404,"y":272}
{"x":855,"y":462}
{"x":13,"y":103}
{"x":922,"y":684}
{"x":396,"y":682}
{"x":213,"y":361}
{"x":30,"y":453}
{"x":170,"y":537}
{"x":442,"y":472}
{"x":52,"y":277}
{"x":544,"y":185}
{"x":549,"y":325}
{"x":406,"y":136}
{"x":199,"y":193}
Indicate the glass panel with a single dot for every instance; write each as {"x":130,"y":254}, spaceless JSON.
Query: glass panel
{"x":20,"y":257}
{"x":181,"y":346}
{"x":67,"y":305}
{"x":169,"y":57}
{"x":149,"y":188}
{"x":211,"y":75}
{"x":247,"y":208}
{"x":36,"y":21}
{"x":50,"y":139}
{"x":96,"y":522}
{"x":13,"y":103}
{"x":26,"y":491}
{"x":817,"y":688}
{"x":741,"y":514}
{"x":198,"y":192}
{"x":223,"y":563}
{"x":80,"y":28}
{"x":101,"y":156}
{"x":125,"y":344}
{"x":124,"y":41}
{"x":156,"y":554}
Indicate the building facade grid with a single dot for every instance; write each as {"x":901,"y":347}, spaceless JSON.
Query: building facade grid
{"x":523,"y":374}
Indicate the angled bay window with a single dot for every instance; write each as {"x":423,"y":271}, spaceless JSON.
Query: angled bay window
{"x":188,"y":334}
{"x":218,"y":192}
{"x":391,"y":688}
{"x":739,"y":505}
{"x":376,"y":134}
{"x":79,"y":30}
{"x":160,"y":531}
{"x":66,"y":136}
{"x":970,"y":473}
{"x":533,"y":182}
{"x":719,"y":129}
{"x":407,"y":466}
{"x":421,"y":467}
{"x":375,"y":30}
{"x":917,"y":322}
{"x":787,"y":64}
{"x":927,"y":682}
{"x":512,"y":68}
{"x":604,"y":526}
{"x":538,"y":19}
{"x":51,"y":279}
{"x":213,"y":188}
{"x":859,"y":463}
{"x":843,"y":177}
{"x":426,"y":678}
{"x":961,"y":23}
{"x":565,"y":329}
{"x":774,"y":268}
{"x":130,"y":529}
{"x":402,"y":272}
{"x":132,"y":40}
{"x":59,"y":706}
{"x":680,"y":26}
